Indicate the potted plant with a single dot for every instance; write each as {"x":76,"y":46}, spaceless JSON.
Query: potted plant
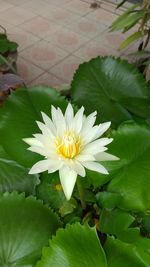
{"x":8,"y":53}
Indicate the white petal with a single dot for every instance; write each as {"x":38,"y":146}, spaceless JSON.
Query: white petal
{"x":45,"y":130}
{"x":84,"y":157}
{"x":48,"y":123}
{"x":32,"y":142}
{"x":103,"y":127}
{"x":54,"y":114}
{"x":48,"y":164}
{"x":90,"y":135}
{"x":45,"y":141}
{"x":92,"y":150}
{"x":78,"y":120}
{"x":39,"y":167}
{"x":78,"y":168}
{"x":40,"y":150}
{"x":54,"y":166}
{"x":88,"y":123}
{"x":67,"y":178}
{"x":94,"y":166}
{"x":69,"y":114}
{"x":97,"y":146}
{"x":59,"y":121}
{"x":103,"y":156}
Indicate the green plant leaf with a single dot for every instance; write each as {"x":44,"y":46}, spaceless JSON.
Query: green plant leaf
{"x":50,"y":190}
{"x":12,"y":46}
{"x":120,"y":225}
{"x":3,"y":36}
{"x":14,"y":177}
{"x":120,"y":254}
{"x":132,"y":38}
{"x":128,"y":18}
{"x":146,"y":223}
{"x":101,"y":84}
{"x":25,"y":227}
{"x":131,"y":174}
{"x":18,"y":118}
{"x":108,"y":200}
{"x":75,"y":246}
{"x":3,"y":46}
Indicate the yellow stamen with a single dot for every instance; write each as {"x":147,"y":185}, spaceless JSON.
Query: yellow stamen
{"x":69,"y":146}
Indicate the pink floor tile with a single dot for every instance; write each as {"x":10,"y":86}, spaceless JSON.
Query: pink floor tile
{"x":111,"y":7}
{"x":92,"y":50}
{"x":66,"y":68}
{"x":67,"y":39}
{"x":48,"y":79}
{"x":40,"y":27}
{"x":23,"y":38}
{"x":43,"y":54}
{"x":61,"y":15}
{"x":102,"y":16}
{"x":114,"y":39}
{"x":16,"y":2}
{"x":16,"y":15}
{"x":79,"y":7}
{"x":58,"y":2}
{"x":110,"y":40}
{"x":37,"y":6}
{"x":4,"y":6}
{"x":88,"y":28}
{"x":6,"y":25}
{"x":27,"y":70}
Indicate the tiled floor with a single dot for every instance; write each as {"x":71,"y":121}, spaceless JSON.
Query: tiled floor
{"x":55,"y":36}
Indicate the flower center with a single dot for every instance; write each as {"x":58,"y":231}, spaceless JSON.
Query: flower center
{"x":69,"y":146}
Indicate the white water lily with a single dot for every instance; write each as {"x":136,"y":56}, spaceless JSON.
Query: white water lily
{"x":70,"y":143}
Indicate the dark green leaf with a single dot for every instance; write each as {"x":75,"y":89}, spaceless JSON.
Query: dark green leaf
{"x":3,"y":46}
{"x":50,"y":190}
{"x":117,"y":222}
{"x":75,"y":246}
{"x":114,"y":221}
{"x":12,"y":46}
{"x":14,"y":177}
{"x":120,"y":254}
{"x":25,"y":227}
{"x":102,"y":85}
{"x":108,"y":200}
{"x":146,"y":223}
{"x":18,"y":120}
{"x":131,"y":174}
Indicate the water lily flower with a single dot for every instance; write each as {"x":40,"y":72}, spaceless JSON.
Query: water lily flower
{"x":70,"y":143}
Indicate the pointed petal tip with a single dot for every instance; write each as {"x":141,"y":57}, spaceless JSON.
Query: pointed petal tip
{"x":67,"y":178}
{"x":32,"y":171}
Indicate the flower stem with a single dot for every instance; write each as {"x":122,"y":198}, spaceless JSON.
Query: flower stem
{"x":81,"y":192}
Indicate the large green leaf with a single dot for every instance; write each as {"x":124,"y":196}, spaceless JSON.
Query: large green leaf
{"x":131,"y":174}
{"x":120,"y":254}
{"x":113,"y":87}
{"x":75,"y":246}
{"x":25,"y":227}
{"x":146,"y":223}
{"x":50,"y":190}
{"x":14,"y":177}
{"x":114,"y":221}
{"x":119,"y":223}
{"x":18,"y":115}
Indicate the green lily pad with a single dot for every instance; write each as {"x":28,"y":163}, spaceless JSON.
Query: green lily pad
{"x":75,"y":246}
{"x":25,"y":227}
